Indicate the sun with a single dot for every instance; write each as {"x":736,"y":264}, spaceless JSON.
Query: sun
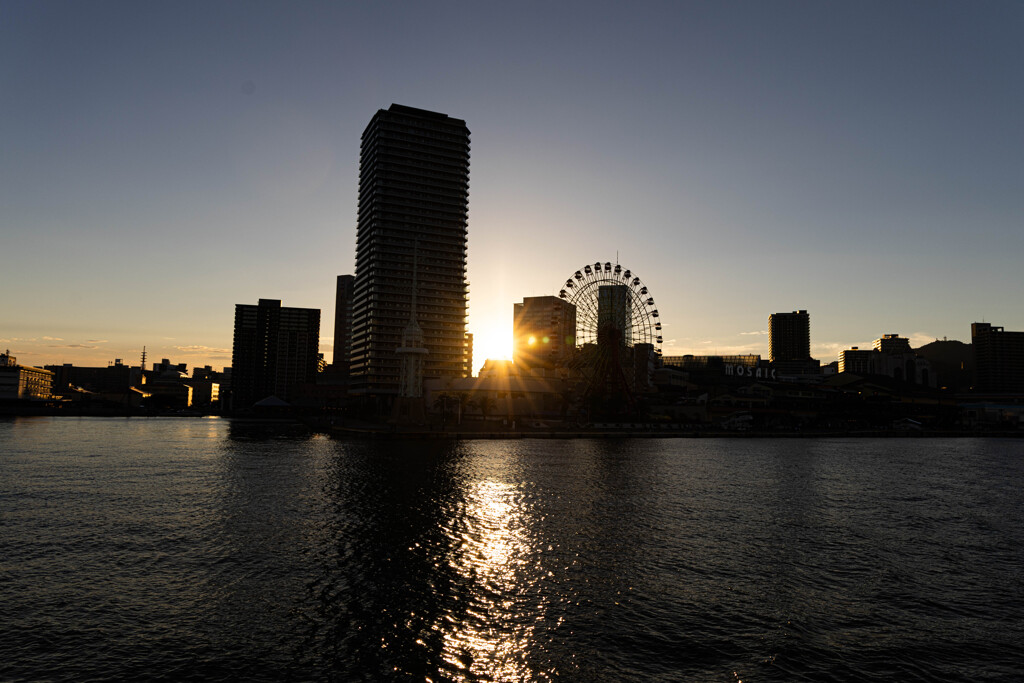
{"x":491,"y":345}
{"x":492,"y":340}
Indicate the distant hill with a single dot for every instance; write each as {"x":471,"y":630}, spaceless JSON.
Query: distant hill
{"x":952,"y":361}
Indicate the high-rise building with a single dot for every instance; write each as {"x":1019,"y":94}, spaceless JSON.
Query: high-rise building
{"x":413,"y":197}
{"x":614,"y":315}
{"x":343,"y":323}
{"x":789,"y":336}
{"x":543,"y":332}
{"x":275,"y":349}
{"x":467,"y":356}
{"x":998,"y":358}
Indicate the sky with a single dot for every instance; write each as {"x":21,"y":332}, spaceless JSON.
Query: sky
{"x":162,"y":162}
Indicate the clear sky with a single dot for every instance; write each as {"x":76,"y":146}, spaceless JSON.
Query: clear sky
{"x":161,"y":162}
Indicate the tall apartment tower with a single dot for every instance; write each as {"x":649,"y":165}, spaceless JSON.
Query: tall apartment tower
{"x":413,"y":195}
{"x":343,"y":323}
{"x":275,"y":349}
{"x":998,"y":358}
{"x":543,"y":332}
{"x":789,"y":336}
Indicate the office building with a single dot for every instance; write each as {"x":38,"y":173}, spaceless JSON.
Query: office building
{"x":998,"y":359}
{"x":859,"y":361}
{"x":413,"y":197}
{"x":275,"y":350}
{"x":543,"y":332}
{"x":893,"y":345}
{"x":23,"y":381}
{"x":343,"y":323}
{"x":206,"y":386}
{"x":789,"y":336}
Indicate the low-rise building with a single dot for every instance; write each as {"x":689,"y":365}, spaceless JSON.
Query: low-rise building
{"x":859,"y":361}
{"x":114,"y":378}
{"x":23,"y":382}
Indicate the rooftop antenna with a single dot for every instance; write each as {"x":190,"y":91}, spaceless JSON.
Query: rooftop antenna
{"x":143,"y":358}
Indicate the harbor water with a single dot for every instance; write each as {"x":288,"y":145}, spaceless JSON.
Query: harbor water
{"x":201,"y":549}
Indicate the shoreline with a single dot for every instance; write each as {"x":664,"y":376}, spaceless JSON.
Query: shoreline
{"x":464,"y":435}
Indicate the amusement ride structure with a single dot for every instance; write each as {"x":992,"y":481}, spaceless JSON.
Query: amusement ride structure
{"x":618,"y":335}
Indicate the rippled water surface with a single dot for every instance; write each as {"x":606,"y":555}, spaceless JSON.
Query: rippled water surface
{"x":197,"y":549}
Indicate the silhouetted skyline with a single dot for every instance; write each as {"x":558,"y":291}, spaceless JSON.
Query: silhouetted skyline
{"x":161,"y":163}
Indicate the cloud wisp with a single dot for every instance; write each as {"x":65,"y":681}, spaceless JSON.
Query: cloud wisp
{"x":197,"y":349}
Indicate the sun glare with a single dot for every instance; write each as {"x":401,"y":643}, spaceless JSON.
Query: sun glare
{"x":493,"y":343}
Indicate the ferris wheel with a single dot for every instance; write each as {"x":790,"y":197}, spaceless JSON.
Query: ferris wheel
{"x":628,"y":302}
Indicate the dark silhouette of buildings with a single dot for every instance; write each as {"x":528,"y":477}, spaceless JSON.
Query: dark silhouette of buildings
{"x":789,"y":336}
{"x":413,"y":190}
{"x":891,"y":356}
{"x":543,"y":332}
{"x":115,"y":378}
{"x":343,"y":323}
{"x":789,"y":344}
{"x":275,"y":350}
{"x":207,"y":385}
{"x":998,"y":358}
{"x":952,"y":361}
{"x":169,"y":369}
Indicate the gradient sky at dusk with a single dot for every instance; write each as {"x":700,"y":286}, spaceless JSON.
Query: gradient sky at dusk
{"x":160,"y":163}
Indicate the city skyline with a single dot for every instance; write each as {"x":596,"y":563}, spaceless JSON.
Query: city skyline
{"x":859,"y":162}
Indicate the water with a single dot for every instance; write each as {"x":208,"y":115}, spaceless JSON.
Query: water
{"x":197,"y":549}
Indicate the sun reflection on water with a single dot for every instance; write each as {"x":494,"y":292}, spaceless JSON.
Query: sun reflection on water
{"x":493,"y":638}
